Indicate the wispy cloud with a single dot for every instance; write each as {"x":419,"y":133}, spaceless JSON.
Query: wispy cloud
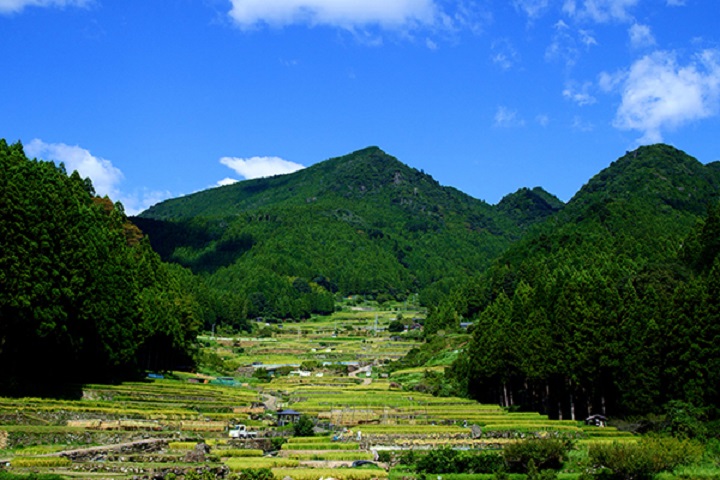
{"x":659,"y":94}
{"x":600,"y":11}
{"x":508,"y":118}
{"x":579,"y":93}
{"x":363,"y":17}
{"x":564,"y":47}
{"x":504,"y":54}
{"x":349,"y":14}
{"x":105,"y":177}
{"x":14,"y":6}
{"x":257,"y":167}
{"x":641,"y":36}
{"x":532,"y":8}
{"x":580,"y":125}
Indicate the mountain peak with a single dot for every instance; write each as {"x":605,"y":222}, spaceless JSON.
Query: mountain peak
{"x":658,"y":173}
{"x":528,"y":206}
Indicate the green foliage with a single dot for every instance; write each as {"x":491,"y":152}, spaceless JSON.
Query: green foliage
{"x":534,"y":474}
{"x":396,"y":326}
{"x":262,"y":374}
{"x":364,"y":223}
{"x":609,"y":306}
{"x":408,"y":457}
{"x":639,"y":461}
{"x":528,"y":207}
{"x":304,"y":427}
{"x":83,"y":296}
{"x":448,"y":460}
{"x":199,"y":475}
{"x":541,"y":453}
{"x":310,"y":364}
{"x":254,"y":474}
{"x":29,"y":476}
{"x":385,"y":456}
{"x":277,"y":442}
{"x":684,"y":420}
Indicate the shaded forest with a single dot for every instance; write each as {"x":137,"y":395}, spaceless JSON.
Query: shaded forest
{"x":611,"y":307}
{"x":83,"y":297}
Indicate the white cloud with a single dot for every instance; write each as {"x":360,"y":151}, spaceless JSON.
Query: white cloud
{"x":504,"y":54}
{"x":532,"y":8}
{"x":350,"y":14}
{"x":587,"y":38}
{"x":676,"y":3}
{"x":641,"y":36}
{"x":543,"y":120}
{"x":658,"y":94}
{"x":564,"y":46}
{"x":579,"y":94}
{"x":580,"y":125}
{"x":257,"y":167}
{"x":507,"y":118}
{"x":142,"y":200}
{"x":600,"y":11}
{"x":104,"y":175}
{"x":14,"y":6}
{"x":226,"y":181}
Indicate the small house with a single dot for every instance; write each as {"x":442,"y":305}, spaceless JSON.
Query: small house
{"x":287,"y":417}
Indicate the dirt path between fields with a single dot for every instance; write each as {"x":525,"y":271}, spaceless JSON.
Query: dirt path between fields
{"x":365,"y":369}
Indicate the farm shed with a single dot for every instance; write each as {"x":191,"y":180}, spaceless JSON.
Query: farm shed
{"x":287,"y":417}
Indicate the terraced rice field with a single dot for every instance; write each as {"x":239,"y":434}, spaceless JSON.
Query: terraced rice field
{"x":151,"y":428}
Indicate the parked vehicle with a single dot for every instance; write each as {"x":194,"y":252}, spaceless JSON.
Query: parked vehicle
{"x":241,"y":431}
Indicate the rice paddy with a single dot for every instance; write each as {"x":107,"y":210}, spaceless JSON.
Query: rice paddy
{"x":360,"y":413}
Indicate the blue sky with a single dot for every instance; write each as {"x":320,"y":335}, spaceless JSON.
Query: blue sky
{"x":156,"y":99}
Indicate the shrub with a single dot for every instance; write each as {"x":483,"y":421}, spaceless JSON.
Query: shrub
{"x":384,"y":456}
{"x":255,"y":474}
{"x":534,"y":474}
{"x":684,"y":420}
{"x":545,"y":453}
{"x":396,"y":327}
{"x":448,"y":460}
{"x":32,"y":476}
{"x":277,"y":442}
{"x":303,"y":427}
{"x":408,"y":457}
{"x":652,"y":455}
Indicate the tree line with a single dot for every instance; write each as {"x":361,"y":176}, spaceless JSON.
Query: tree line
{"x":594,"y":323}
{"x":83,"y":297}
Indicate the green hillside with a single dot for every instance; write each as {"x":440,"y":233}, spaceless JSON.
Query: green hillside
{"x":530,"y":206}
{"x":360,"y":224}
{"x":608,"y":305}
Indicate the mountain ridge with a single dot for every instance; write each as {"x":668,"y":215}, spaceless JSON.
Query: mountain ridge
{"x":367,"y":223}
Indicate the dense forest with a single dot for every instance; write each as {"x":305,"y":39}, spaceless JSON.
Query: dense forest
{"x":609,"y":303}
{"x":83,"y":297}
{"x":613,"y":306}
{"x":360,"y":224}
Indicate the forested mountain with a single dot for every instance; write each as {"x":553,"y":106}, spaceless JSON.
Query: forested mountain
{"x":83,"y":297}
{"x":611,"y":305}
{"x":529,"y":206}
{"x":359,"y":224}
